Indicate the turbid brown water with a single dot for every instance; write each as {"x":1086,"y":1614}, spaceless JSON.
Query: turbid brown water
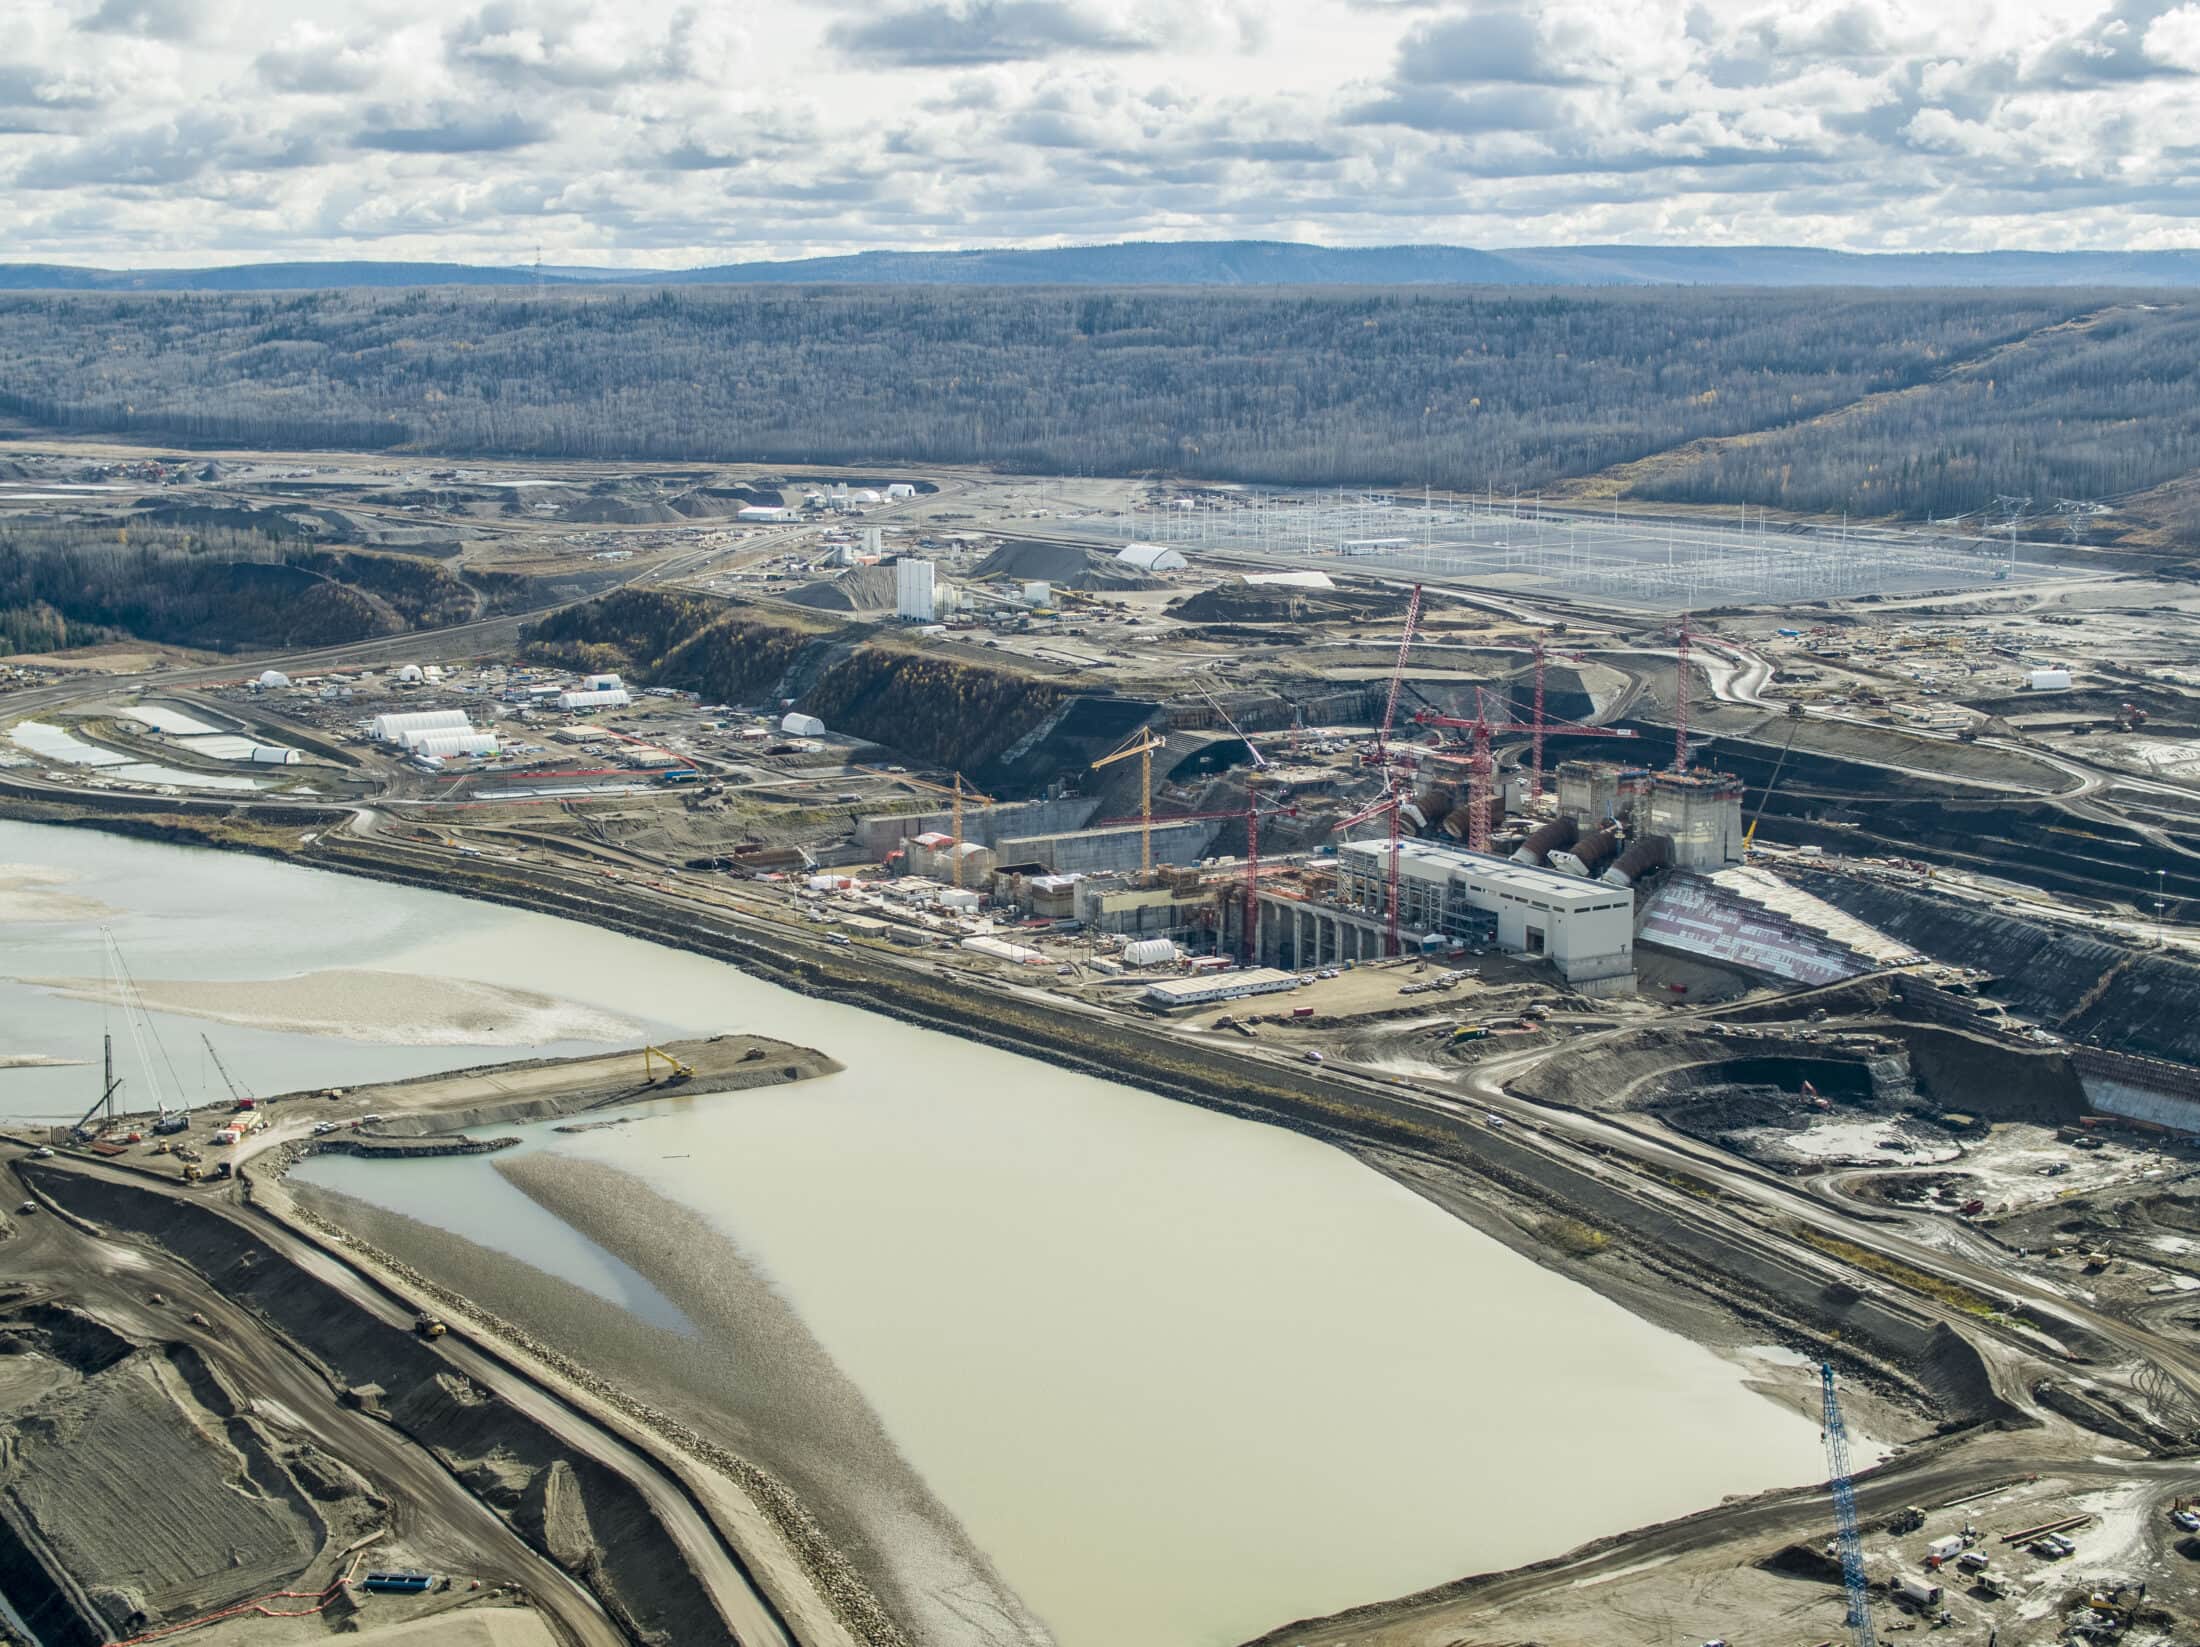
{"x":1182,"y":1377}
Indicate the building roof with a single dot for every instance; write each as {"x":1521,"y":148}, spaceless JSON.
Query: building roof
{"x":1436,"y":859}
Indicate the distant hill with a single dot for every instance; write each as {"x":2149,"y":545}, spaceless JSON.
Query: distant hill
{"x":1210,"y":263}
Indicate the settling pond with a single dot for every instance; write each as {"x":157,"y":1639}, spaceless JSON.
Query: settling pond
{"x":1183,"y":1377}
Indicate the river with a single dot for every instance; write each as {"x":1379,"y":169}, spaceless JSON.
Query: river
{"x":1182,"y":1377}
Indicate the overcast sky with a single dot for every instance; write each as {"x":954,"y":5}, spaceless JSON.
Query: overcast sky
{"x":656,"y":132}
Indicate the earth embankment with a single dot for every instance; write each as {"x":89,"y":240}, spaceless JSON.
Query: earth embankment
{"x":633,"y":1566}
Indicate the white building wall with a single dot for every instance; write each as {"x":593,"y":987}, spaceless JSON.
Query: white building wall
{"x":1586,"y":930}
{"x":913,"y":590}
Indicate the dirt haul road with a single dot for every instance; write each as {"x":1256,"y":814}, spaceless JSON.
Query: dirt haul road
{"x":429,"y":1508}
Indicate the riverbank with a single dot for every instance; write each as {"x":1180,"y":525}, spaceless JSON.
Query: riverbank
{"x":737,"y":1364}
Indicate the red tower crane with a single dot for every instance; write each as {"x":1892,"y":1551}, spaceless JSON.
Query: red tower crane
{"x":1539,"y":726}
{"x":1381,"y":755}
{"x":1389,"y":806}
{"x":1252,"y":812}
{"x":1481,"y":769}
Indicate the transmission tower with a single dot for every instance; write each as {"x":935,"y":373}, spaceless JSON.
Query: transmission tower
{"x":1844,"y":1511}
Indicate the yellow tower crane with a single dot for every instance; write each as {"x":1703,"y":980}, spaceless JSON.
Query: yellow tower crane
{"x":982,"y":800}
{"x":1143,"y":747}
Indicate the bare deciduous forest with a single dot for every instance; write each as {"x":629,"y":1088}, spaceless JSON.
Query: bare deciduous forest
{"x":1902,"y":404}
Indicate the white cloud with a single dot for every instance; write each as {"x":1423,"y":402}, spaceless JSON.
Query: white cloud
{"x":688,"y":131}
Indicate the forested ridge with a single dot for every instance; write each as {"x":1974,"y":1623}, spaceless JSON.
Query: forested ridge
{"x":75,"y":585}
{"x":2040,"y":393}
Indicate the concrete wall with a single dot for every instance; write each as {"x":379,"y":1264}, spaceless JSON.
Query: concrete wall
{"x":984,"y":824}
{"x":1695,"y":916}
{"x":1096,"y":850}
{"x":2140,"y":1089}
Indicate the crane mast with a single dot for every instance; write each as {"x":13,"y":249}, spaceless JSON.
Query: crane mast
{"x":1844,"y":1512}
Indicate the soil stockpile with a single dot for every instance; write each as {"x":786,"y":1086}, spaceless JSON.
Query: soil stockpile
{"x":77,"y":1467}
{"x":747,"y":1373}
{"x":1061,"y":563}
{"x":634,"y":1568}
{"x":861,"y":589}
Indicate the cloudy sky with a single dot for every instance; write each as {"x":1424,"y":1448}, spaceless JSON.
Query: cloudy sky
{"x":678,"y":132}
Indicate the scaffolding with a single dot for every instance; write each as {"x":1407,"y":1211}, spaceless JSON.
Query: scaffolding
{"x":1679,"y":565}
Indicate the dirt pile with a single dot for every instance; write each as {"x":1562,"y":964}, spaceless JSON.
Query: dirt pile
{"x":638,"y":1573}
{"x":1062,"y":564}
{"x":84,"y":1555}
{"x":861,"y":589}
{"x":1272,"y":603}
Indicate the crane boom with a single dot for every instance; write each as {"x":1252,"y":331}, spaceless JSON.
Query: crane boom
{"x":1398,"y":673}
{"x":1844,"y":1511}
{"x":237,"y":1090}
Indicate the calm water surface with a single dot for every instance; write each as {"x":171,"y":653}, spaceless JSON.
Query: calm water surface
{"x":1183,"y":1377}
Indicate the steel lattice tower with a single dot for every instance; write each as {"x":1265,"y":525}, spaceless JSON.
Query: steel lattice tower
{"x":1844,"y":1510}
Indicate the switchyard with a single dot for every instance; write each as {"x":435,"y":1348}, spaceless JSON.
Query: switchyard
{"x":1529,"y":547}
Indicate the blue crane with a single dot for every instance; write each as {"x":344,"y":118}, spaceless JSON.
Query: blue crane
{"x":1844,"y":1510}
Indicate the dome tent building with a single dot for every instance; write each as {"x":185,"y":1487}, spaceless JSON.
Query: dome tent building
{"x":1152,"y":557}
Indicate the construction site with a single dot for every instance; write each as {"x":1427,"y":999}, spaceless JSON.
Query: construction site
{"x":1783,"y":931}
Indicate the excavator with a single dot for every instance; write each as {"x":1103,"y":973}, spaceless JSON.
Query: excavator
{"x":675,"y":1071}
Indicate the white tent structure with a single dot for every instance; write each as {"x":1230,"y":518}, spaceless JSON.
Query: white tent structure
{"x":1152,"y":557}
{"x":445,"y":744}
{"x":802,"y":726}
{"x":608,"y":697}
{"x":392,"y":728}
{"x":270,"y":679}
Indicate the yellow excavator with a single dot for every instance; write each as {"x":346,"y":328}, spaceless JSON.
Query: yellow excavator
{"x":675,"y":1070}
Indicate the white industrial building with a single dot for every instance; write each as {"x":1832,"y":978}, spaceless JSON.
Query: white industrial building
{"x":801,"y":726}
{"x":601,"y":697}
{"x":761,"y":513}
{"x":269,"y":680}
{"x":1152,"y":557}
{"x":268,"y":754}
{"x":604,"y":683}
{"x":1204,"y":988}
{"x":1585,"y":929}
{"x":392,"y":728}
{"x":914,"y":593}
